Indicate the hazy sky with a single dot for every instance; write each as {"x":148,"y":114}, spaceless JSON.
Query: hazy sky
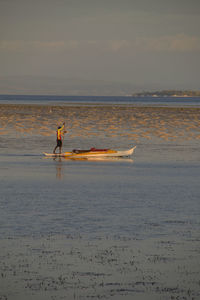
{"x":133,"y":41}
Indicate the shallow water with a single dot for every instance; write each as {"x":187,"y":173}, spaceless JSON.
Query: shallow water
{"x":126,"y":197}
{"x":155,"y":192}
{"x":152,"y":195}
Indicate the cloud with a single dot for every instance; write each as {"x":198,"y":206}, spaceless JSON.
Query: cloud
{"x":117,"y":45}
{"x":24,"y":46}
{"x":176,"y":43}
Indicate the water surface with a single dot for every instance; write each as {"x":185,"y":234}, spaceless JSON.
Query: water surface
{"x":115,"y":229}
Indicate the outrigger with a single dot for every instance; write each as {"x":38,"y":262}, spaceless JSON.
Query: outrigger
{"x":93,"y":152}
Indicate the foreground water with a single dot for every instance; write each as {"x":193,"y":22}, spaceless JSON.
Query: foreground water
{"x":120,"y":229}
{"x":120,"y":197}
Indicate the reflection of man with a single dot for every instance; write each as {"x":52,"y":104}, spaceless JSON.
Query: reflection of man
{"x":60,"y":133}
{"x":59,"y":173}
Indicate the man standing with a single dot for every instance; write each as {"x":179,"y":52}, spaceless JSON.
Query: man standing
{"x":60,"y":133}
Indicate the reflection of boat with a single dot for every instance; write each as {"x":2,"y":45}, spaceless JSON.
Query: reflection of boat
{"x":99,"y":159}
{"x":93,"y":153}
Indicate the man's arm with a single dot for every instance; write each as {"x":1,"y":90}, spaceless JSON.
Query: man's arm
{"x":62,"y":126}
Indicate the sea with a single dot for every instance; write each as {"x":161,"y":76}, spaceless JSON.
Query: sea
{"x":156,"y":192}
{"x":126,"y":228}
{"x":114,"y":100}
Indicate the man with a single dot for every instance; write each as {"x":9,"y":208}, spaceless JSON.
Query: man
{"x":60,"y":133}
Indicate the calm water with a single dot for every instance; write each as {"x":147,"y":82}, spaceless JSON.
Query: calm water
{"x":156,"y":193}
{"x":52,"y":212}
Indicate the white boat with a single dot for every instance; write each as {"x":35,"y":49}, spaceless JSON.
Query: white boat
{"x":93,"y":152}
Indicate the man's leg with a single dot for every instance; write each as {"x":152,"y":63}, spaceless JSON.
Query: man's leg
{"x":60,"y":149}
{"x":54,"y":151}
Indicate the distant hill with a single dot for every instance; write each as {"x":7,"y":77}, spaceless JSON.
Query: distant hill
{"x":169,"y":93}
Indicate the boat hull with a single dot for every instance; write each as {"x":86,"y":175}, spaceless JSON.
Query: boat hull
{"x":89,"y":154}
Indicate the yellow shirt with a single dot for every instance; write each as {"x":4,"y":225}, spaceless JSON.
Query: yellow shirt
{"x":59,"y":133}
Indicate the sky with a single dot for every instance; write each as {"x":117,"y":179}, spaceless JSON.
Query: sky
{"x":140,"y":42}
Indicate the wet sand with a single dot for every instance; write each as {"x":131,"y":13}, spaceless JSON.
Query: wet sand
{"x":57,"y":266}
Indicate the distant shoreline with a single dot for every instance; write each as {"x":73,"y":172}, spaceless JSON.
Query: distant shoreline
{"x":168,"y":93}
{"x":139,"y":94}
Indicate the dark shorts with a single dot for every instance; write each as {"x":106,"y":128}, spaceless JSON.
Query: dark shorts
{"x":59,"y":143}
